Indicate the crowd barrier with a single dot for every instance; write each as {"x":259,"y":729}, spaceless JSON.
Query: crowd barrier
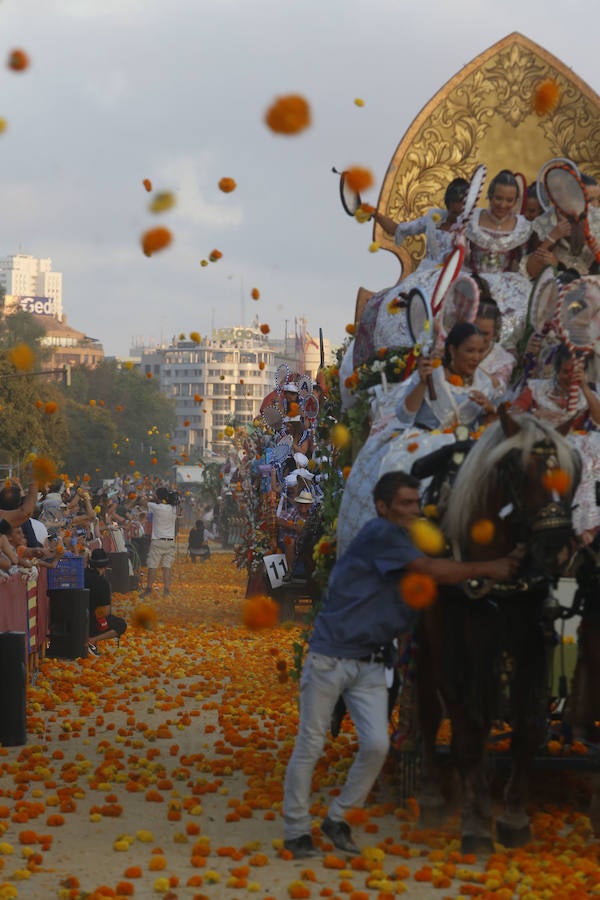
{"x":24,"y":608}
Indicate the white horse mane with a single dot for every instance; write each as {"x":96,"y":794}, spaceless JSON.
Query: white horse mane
{"x":480,"y":473}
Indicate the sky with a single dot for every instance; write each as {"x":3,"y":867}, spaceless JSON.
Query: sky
{"x":176,"y":91}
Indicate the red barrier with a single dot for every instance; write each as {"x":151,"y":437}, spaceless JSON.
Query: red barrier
{"x":24,"y":607}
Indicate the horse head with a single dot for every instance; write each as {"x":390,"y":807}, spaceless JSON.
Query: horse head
{"x":507,"y":478}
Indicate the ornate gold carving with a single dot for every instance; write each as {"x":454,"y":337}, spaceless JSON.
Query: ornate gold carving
{"x":485,"y":114}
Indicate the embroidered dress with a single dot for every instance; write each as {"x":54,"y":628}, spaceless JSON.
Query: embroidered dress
{"x":568,"y":257}
{"x":498,"y":365}
{"x":395,"y":430}
{"x":492,"y":253}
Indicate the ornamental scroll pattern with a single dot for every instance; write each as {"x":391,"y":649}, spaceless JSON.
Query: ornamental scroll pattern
{"x":493,"y":98}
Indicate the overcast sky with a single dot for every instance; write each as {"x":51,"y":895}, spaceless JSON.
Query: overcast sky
{"x":175,"y":91}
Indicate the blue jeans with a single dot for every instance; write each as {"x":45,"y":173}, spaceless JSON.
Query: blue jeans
{"x":363,"y":687}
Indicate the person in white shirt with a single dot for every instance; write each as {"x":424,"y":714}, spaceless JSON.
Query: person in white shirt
{"x":162,"y":544}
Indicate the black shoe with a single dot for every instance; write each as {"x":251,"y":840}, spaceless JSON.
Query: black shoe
{"x":302,"y":847}
{"x":340,"y":836}
{"x":93,"y":649}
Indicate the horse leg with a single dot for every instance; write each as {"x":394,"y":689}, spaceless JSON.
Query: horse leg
{"x":468,"y":749}
{"x":527,"y":700}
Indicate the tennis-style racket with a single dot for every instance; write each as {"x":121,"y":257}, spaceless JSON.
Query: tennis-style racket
{"x":540,"y":187}
{"x":471,"y":198}
{"x":461,"y":304}
{"x":281,"y":376}
{"x":449,"y":272}
{"x":420,"y":326}
{"x":543,"y":303}
{"x":578,"y":320}
{"x":521,"y":204}
{"x":350,"y":198}
{"x":567,"y":192}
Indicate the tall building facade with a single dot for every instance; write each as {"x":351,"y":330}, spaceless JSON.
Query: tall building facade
{"x":30,"y":284}
{"x":232,"y":372}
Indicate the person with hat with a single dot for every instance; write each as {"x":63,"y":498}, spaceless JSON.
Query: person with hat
{"x":103,"y":625}
{"x":291,"y":522}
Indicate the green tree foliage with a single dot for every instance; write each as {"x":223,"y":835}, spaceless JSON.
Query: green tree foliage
{"x":137,"y":418}
{"x":26,"y":427}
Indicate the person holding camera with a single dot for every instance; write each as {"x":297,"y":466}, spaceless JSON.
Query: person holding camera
{"x":164,"y":512}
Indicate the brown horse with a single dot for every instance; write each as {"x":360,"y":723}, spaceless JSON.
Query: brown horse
{"x":465,"y":636}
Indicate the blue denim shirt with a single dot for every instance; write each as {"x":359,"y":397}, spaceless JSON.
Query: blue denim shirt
{"x":362,"y":608}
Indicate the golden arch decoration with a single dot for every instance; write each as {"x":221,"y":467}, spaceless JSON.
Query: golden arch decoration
{"x":485,"y":114}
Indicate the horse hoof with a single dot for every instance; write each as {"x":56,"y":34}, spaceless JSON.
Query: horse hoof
{"x":512,"y":837}
{"x":476,"y":844}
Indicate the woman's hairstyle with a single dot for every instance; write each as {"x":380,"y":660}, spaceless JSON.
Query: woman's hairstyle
{"x":504,"y":178}
{"x":532,"y":190}
{"x":490,"y":311}
{"x":561,"y":356}
{"x":457,"y":335}
{"x":456,"y":190}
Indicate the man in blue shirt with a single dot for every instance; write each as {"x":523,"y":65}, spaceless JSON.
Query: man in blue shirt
{"x":352,"y":636}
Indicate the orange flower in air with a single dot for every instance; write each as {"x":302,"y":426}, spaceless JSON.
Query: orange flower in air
{"x":265,"y":329}
{"x":18,"y":60}
{"x":50,"y":408}
{"x":198,"y":398}
{"x":147,"y":184}
{"x":483,"y":531}
{"x":260,"y":612}
{"x":546,"y":97}
{"x":144,"y":617}
{"x":261,"y":366}
{"x":351,"y":328}
{"x":359,"y":179}
{"x":255,"y":293}
{"x":195,"y":337}
{"x":418,"y":591}
{"x":215,"y":255}
{"x":227,"y":185}
{"x":156,"y":239}
{"x":38,"y":404}
{"x":186,"y":422}
{"x":43,"y":470}
{"x":288,"y":115}
{"x":22,"y":357}
{"x":557,"y":480}
{"x":148,"y":374}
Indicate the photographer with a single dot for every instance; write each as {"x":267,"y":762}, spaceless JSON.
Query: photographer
{"x":165,"y":512}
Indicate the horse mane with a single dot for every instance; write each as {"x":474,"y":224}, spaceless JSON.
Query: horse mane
{"x":480,"y":476}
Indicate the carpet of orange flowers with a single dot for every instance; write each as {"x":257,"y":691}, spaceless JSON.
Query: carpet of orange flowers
{"x":156,"y":770}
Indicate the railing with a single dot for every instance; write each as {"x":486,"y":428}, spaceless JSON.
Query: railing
{"x":24,"y":608}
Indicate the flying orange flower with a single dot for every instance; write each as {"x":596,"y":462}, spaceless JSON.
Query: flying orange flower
{"x":92,"y":402}
{"x":186,"y":422}
{"x":227,"y":185}
{"x":261,"y":365}
{"x":288,"y":115}
{"x":18,"y":60}
{"x":546,"y":97}
{"x":43,"y":470}
{"x":260,"y":612}
{"x":38,"y":404}
{"x":148,"y":374}
{"x":255,"y":293}
{"x":482,"y":531}
{"x":195,"y":337}
{"x":156,"y":239}
{"x":50,"y":408}
{"x":144,"y":617}
{"x":418,"y":591}
{"x":198,"y":398}
{"x":215,"y":255}
{"x":22,"y":357}
{"x":147,"y":184}
{"x":265,"y":329}
{"x":359,"y":179}
{"x":162,"y":202}
{"x":557,"y":480}
{"x":350,"y":328}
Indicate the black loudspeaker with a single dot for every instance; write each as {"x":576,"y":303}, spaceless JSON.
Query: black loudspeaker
{"x":13,"y":678}
{"x":69,"y":623}
{"x":119,"y":572}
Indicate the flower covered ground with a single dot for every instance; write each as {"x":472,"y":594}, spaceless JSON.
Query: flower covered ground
{"x":156,"y":770}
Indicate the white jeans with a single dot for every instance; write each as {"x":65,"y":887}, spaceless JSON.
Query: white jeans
{"x":363,"y":687}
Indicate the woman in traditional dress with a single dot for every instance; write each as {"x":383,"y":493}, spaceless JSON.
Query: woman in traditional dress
{"x":497,"y":363}
{"x":410,"y":424}
{"x":548,"y":399}
{"x":495,"y":237}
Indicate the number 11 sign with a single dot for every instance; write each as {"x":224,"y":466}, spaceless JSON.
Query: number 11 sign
{"x":276,"y":567}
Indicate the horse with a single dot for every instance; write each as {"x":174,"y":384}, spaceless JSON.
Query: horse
{"x":464,"y":635}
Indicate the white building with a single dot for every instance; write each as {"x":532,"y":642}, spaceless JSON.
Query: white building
{"x":31,"y":284}
{"x":232,"y":372}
